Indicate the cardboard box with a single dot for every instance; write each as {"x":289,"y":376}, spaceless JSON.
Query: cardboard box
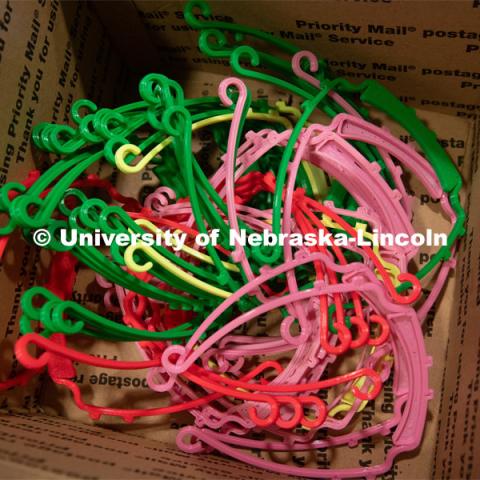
{"x":52,"y":53}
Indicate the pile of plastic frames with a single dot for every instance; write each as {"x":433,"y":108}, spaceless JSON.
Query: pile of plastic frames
{"x":271,"y":387}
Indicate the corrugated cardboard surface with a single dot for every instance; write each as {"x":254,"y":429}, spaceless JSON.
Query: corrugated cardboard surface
{"x":57,"y":448}
{"x":451,"y":330}
{"x":51,"y":55}
{"x":427,"y":52}
{"x":456,"y":449}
